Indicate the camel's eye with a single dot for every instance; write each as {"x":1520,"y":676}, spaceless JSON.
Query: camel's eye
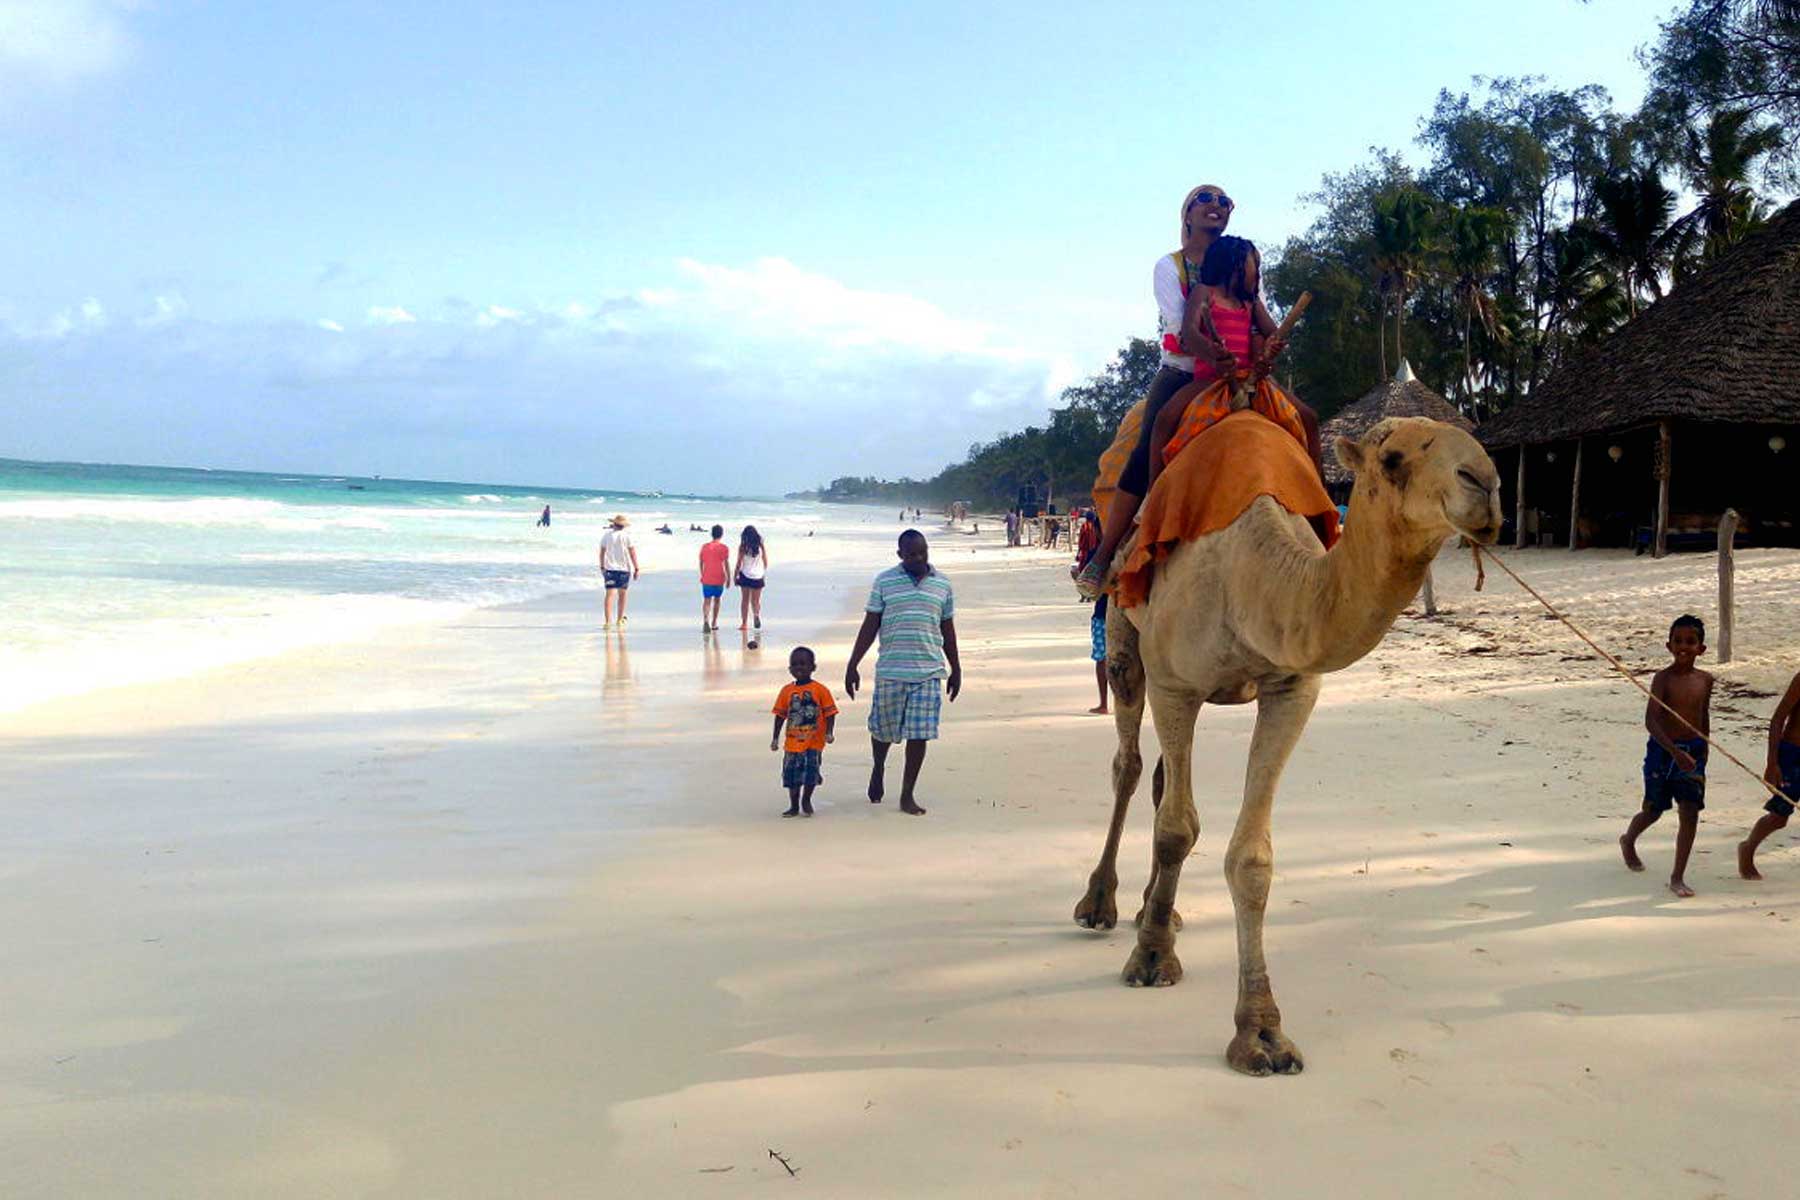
{"x":1390,"y":462}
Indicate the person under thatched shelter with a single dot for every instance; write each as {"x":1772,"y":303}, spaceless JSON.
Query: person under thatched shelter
{"x":1707,"y":378}
{"x":1401,"y":396}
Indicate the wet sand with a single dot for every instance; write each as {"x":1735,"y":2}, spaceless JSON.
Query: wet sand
{"x":509,"y":910}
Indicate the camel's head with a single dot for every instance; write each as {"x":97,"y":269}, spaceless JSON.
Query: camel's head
{"x":1430,"y":476}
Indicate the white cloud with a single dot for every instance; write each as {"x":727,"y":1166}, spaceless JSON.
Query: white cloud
{"x":59,"y":43}
{"x":757,"y":378}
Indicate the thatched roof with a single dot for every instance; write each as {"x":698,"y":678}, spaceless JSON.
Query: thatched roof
{"x":1722,"y":347}
{"x":1401,"y":396}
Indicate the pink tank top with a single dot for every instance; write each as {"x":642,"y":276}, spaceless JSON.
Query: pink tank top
{"x":1233,"y":325}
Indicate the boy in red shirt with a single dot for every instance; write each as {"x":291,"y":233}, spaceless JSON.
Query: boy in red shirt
{"x":714,"y":579}
{"x":807,"y":708}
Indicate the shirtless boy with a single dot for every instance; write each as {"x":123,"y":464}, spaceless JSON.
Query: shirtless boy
{"x":1675,"y":756}
{"x":1782,"y":772}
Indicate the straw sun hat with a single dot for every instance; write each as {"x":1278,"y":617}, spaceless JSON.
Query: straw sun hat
{"x":619,"y":519}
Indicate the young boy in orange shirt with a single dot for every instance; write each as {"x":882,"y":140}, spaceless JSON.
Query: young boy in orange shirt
{"x":809,"y":712}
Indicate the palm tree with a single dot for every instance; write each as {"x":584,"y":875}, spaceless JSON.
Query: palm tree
{"x":1717,"y":163}
{"x":1403,"y":226}
{"x":1632,"y":230}
{"x":1471,"y":249}
{"x":1587,"y":296}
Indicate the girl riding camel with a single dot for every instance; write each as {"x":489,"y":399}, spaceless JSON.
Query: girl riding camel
{"x":1193,"y":314}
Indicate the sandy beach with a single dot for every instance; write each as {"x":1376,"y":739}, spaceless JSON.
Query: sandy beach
{"x":503,"y":907}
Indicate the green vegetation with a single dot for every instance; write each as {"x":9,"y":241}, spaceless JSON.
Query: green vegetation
{"x":1542,"y":220}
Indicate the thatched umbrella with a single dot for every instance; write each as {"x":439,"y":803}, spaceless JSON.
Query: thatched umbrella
{"x":1720,"y":355}
{"x":1401,"y":396}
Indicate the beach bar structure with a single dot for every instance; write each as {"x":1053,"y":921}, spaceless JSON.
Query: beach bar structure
{"x":1401,"y":396}
{"x":1691,"y":409}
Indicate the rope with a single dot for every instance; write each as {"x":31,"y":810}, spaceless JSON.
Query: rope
{"x":1622,"y":669}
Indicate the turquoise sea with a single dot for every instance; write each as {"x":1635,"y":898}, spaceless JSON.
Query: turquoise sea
{"x":121,"y":574}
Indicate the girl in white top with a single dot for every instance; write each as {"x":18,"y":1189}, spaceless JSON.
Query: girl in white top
{"x":751,"y":572}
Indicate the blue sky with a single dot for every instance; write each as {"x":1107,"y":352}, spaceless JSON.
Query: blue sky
{"x":714,"y":247}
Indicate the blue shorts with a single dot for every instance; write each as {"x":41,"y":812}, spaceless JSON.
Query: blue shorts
{"x":1665,"y":784}
{"x":711,"y":591}
{"x":1788,"y":762}
{"x":1097,"y":633}
{"x":800,"y":768}
{"x":617,"y":579}
{"x":905,"y":710}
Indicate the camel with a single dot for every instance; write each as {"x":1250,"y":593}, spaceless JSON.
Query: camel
{"x":1259,"y":611}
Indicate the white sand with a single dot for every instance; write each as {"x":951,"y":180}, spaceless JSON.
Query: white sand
{"x":489,"y":911}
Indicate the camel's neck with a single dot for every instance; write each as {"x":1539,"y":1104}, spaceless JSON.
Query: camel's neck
{"x":1341,"y":604}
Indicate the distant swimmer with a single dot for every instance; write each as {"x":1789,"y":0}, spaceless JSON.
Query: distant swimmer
{"x":664,"y":529}
{"x":544,"y":518}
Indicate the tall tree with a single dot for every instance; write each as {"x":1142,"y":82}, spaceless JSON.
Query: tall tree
{"x":1742,"y":55}
{"x":1403,"y":225}
{"x":1472,"y":238}
{"x":1716,"y":162}
{"x":1632,"y":230}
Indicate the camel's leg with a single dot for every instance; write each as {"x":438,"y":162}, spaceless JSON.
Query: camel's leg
{"x":1153,"y":962}
{"x":1157,"y":779}
{"x":1282,"y":708}
{"x":1098,"y":908}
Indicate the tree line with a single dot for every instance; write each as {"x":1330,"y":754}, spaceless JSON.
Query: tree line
{"x":1542,"y":221}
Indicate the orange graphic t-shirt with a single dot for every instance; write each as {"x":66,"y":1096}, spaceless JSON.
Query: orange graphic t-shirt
{"x":805,"y":705}
{"x":713,"y":557}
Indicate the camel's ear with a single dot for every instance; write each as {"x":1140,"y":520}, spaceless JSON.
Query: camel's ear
{"x":1350,"y":455}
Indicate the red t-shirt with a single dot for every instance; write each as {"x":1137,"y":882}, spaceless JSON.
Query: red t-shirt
{"x":714,"y":557}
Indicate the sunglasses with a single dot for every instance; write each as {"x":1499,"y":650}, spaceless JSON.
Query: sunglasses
{"x":1220,"y":198}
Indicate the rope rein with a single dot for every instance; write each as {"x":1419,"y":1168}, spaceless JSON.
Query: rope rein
{"x":1622,"y":669}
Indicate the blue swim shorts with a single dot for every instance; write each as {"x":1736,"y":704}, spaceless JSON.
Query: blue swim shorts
{"x":1788,"y":761}
{"x":1097,"y":633}
{"x":1666,"y":784}
{"x":905,"y":710}
{"x":800,"y":768}
{"x":617,"y":579}
{"x":712,"y":591}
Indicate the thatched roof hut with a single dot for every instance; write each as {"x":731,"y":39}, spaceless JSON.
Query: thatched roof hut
{"x":1714,"y":369}
{"x":1401,"y":396}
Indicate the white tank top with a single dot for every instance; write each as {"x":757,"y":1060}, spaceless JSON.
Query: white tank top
{"x":750,"y":566}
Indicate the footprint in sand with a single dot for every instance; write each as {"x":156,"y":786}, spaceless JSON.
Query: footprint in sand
{"x":1563,"y":1006}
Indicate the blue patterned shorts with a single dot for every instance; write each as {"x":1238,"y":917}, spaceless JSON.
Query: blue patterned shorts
{"x":800,"y":768}
{"x":905,"y":710}
{"x":1666,"y":784}
{"x":1097,"y":631}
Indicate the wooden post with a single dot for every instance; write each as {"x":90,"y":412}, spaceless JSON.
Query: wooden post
{"x":1664,"y":439}
{"x":1727,"y":570}
{"x":1430,"y":595}
{"x":1575,"y":497}
{"x":1519,"y":503}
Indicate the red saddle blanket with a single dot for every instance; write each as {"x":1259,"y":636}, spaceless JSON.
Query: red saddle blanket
{"x":1211,"y":482}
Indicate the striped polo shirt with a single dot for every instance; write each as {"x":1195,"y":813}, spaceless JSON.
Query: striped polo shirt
{"x":912,"y":615}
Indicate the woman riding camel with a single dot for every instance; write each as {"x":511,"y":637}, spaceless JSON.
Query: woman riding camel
{"x":1192,"y":351}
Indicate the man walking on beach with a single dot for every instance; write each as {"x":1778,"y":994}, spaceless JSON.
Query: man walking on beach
{"x":618,"y":565}
{"x":912,"y":609}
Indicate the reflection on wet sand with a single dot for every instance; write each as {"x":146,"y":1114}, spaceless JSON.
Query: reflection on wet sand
{"x":619,"y":675}
{"x":712,"y":664}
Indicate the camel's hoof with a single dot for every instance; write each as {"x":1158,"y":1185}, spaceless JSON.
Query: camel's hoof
{"x":1174,"y":919}
{"x":1097,"y":910}
{"x":1151,"y":968}
{"x":1264,"y":1052}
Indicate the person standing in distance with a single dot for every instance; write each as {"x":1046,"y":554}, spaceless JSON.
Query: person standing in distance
{"x":913,"y":610}
{"x":618,"y":567}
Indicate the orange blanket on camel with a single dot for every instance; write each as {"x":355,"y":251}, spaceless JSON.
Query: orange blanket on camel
{"x":1209,"y":485}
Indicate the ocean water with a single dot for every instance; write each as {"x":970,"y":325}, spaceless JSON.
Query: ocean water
{"x":120,"y":574}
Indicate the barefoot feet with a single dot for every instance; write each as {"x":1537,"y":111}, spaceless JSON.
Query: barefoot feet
{"x":910,"y":807}
{"x":1747,"y":862}
{"x":1680,"y":888}
{"x":1100,"y":710}
{"x":1629,"y":849}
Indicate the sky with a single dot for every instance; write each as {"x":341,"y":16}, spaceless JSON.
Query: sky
{"x":725,"y":248}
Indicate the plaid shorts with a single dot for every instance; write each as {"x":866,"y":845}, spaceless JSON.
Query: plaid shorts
{"x":905,"y":710}
{"x":800,"y":768}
